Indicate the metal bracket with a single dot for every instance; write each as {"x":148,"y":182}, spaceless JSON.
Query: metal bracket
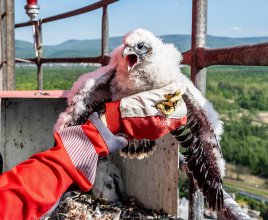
{"x":37,"y":36}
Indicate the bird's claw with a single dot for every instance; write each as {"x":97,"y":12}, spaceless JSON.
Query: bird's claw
{"x":171,"y":103}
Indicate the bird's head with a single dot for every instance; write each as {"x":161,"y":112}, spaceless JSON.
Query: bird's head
{"x":135,"y":54}
{"x":143,"y":62}
{"x":138,"y":47}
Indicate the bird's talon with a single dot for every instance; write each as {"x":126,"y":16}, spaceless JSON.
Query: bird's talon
{"x":169,"y":106}
{"x":175,"y":98}
{"x":168,"y":96}
{"x":170,"y":111}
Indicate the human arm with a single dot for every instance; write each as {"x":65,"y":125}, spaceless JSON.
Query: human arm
{"x":32,"y":188}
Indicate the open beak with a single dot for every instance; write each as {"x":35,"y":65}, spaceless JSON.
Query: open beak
{"x":131,"y":56}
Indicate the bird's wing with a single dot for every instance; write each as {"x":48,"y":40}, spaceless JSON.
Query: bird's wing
{"x":89,"y":92}
{"x":138,"y":149}
{"x":200,"y":136}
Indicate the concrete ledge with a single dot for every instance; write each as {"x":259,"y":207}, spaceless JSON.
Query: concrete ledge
{"x":27,"y":124}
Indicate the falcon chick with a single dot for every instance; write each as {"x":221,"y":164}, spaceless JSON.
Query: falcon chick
{"x":108,"y":184}
{"x":143,"y":62}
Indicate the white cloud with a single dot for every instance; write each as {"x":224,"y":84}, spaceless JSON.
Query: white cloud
{"x":234,"y":28}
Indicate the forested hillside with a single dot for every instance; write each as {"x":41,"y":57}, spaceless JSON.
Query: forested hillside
{"x":240,"y":94}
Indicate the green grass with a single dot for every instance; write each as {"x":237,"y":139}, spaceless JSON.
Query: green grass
{"x":252,"y":190}
{"x":53,"y":79}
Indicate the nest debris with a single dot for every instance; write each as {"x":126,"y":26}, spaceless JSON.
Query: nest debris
{"x":78,"y":205}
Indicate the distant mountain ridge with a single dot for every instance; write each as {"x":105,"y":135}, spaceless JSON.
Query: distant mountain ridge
{"x":83,"y":48}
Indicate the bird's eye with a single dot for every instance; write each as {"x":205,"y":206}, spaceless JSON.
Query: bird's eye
{"x":140,"y":46}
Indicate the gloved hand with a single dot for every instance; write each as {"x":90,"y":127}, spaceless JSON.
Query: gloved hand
{"x":85,"y":143}
{"x":138,"y":117}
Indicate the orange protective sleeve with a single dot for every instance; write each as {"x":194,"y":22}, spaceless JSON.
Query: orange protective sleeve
{"x":31,"y":188}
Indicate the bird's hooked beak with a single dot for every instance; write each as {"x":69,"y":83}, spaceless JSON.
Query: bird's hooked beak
{"x":131,"y":56}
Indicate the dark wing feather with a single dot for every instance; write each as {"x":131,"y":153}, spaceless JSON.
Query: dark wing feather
{"x":199,"y":140}
{"x":138,"y":149}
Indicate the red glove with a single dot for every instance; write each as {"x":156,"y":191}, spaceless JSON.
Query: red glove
{"x":138,"y":117}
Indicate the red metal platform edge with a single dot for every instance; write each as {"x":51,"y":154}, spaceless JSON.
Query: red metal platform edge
{"x":35,"y":94}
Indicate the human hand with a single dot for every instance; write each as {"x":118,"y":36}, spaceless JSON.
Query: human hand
{"x":138,"y":116}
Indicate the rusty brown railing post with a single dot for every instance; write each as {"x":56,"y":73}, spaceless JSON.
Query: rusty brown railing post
{"x":199,"y":39}
{"x":105,"y":35}
{"x":10,"y":45}
{"x":38,"y":49}
{"x":198,"y":76}
{"x":39,"y":45}
{"x":1,"y":53}
{"x":3,"y":42}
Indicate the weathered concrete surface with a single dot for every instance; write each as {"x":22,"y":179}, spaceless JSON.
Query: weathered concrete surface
{"x":153,"y":180}
{"x":26,"y":127}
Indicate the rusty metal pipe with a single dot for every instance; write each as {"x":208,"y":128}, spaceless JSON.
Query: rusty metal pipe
{"x":64,"y":60}
{"x":19,"y":60}
{"x":88,"y":8}
{"x":231,"y":210}
{"x":199,"y":39}
{"x":105,"y":36}
{"x":247,"y":55}
{"x":72,"y":60}
{"x":186,"y":57}
{"x":3,"y":45}
{"x":198,"y":76}
{"x":10,"y":46}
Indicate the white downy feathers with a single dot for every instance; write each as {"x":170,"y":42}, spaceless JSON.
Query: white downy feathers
{"x":108,"y":184}
{"x":159,"y":67}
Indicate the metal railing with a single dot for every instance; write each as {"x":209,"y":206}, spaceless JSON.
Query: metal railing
{"x":198,"y":57}
{"x":37,"y":27}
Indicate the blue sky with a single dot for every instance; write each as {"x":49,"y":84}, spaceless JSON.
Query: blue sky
{"x":229,"y":18}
